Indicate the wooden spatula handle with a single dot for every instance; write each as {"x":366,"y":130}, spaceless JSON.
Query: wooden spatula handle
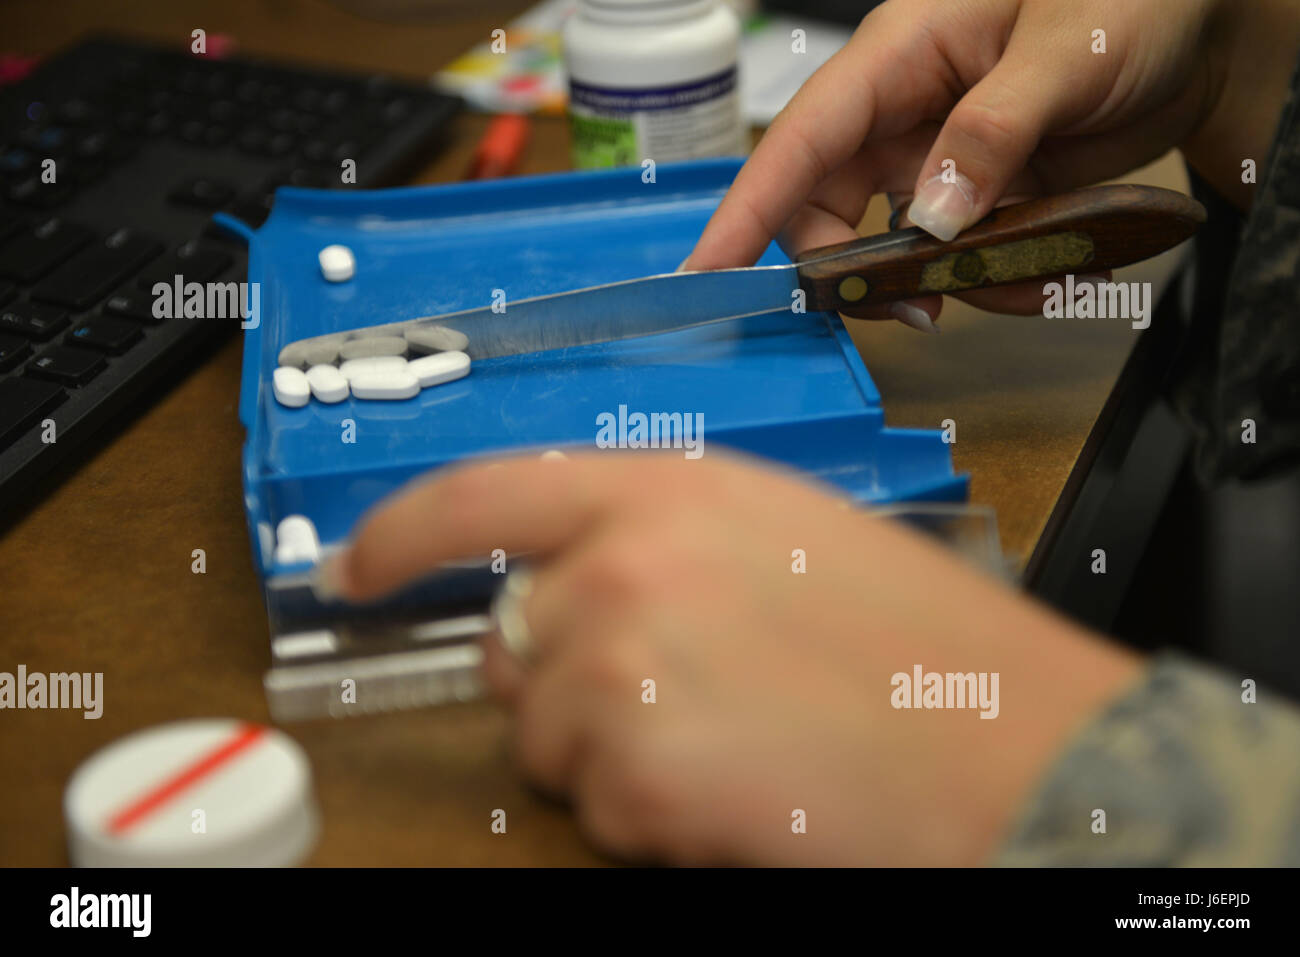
{"x":1085,"y":231}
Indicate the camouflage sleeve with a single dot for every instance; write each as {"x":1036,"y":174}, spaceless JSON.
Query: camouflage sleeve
{"x":1189,"y":771}
{"x":1248,"y":373}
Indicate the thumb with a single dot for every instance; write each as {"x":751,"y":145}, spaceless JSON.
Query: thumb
{"x":984,"y":144}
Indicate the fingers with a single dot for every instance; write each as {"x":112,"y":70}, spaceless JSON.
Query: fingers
{"x":518,"y":505}
{"x":823,"y":126}
{"x":985,"y":143}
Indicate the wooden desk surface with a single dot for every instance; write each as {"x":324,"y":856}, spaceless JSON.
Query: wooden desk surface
{"x":97,"y":576}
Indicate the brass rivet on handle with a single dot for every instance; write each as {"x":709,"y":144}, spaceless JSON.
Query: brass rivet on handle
{"x":852,"y":288}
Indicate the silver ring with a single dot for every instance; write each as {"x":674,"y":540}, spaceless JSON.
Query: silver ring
{"x":508,"y":614}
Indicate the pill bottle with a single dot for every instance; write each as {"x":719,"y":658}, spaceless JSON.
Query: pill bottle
{"x":652,"y":80}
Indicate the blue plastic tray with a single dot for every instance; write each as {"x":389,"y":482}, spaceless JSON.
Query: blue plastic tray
{"x":787,"y":387}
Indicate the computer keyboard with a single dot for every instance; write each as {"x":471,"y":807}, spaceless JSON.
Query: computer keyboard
{"x":146,"y":144}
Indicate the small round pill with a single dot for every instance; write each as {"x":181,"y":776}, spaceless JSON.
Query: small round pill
{"x":337,"y":264}
{"x":327,"y":383}
{"x":291,"y":387}
{"x":296,"y":541}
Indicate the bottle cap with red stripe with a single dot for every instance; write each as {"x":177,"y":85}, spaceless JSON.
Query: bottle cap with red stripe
{"x":202,"y":793}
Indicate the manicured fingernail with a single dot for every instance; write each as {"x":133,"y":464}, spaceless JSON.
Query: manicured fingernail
{"x":914,"y":316}
{"x":327,"y":577}
{"x":682,"y":264}
{"x":943,"y":209}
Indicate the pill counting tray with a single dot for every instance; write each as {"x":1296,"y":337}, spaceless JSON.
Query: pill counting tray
{"x":786,"y":387}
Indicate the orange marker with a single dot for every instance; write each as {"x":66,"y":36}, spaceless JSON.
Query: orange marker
{"x":499,"y":150}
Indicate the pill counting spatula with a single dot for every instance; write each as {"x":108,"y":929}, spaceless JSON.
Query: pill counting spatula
{"x":1088,"y":230}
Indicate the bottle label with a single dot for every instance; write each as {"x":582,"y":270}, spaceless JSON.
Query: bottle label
{"x":623,"y":127}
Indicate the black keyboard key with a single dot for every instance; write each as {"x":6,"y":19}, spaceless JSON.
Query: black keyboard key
{"x":12,"y":351}
{"x":35,"y":193}
{"x":129,"y":121}
{"x":157,"y":123}
{"x":86,"y":278}
{"x":224,"y":112}
{"x":9,"y":225}
{"x":46,"y":140}
{"x":202,"y":192}
{"x":253,"y":208}
{"x":75,"y":112}
{"x":33,"y":321}
{"x":22,"y":402}
{"x":15,"y":160}
{"x":67,"y":366}
{"x":262,"y":142}
{"x":312,"y":177}
{"x":104,"y":334}
{"x":191,"y":131}
{"x":132,"y":304}
{"x":96,"y":145}
{"x":193,"y":262}
{"x":32,"y":253}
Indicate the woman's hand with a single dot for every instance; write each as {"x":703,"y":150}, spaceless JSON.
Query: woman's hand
{"x":772,"y":687}
{"x":1010,"y":97}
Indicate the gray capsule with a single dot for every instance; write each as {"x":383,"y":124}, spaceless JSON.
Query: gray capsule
{"x":306,"y":353}
{"x":436,"y":339}
{"x":372,"y":346}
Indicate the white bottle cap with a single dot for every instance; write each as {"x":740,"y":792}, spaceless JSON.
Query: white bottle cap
{"x":201,"y":793}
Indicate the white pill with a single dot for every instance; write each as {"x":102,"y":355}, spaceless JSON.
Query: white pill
{"x":294,"y":355}
{"x":372,"y":365}
{"x":435,"y":339}
{"x":296,"y":541}
{"x":385,"y":385}
{"x":291,"y":387}
{"x":327,"y":383}
{"x":303,"y":354}
{"x":439,"y":367}
{"x":373,"y":346}
{"x":337,"y":263}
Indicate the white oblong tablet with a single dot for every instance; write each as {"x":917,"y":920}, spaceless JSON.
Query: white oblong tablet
{"x":337,"y":264}
{"x":296,"y":541}
{"x":439,"y":367}
{"x":372,"y":346}
{"x":290,"y":386}
{"x":293,"y":355}
{"x":435,"y":339}
{"x":327,"y":383}
{"x":372,"y":365}
{"x":304,"y":354}
{"x":138,"y":801}
{"x":385,"y":385}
